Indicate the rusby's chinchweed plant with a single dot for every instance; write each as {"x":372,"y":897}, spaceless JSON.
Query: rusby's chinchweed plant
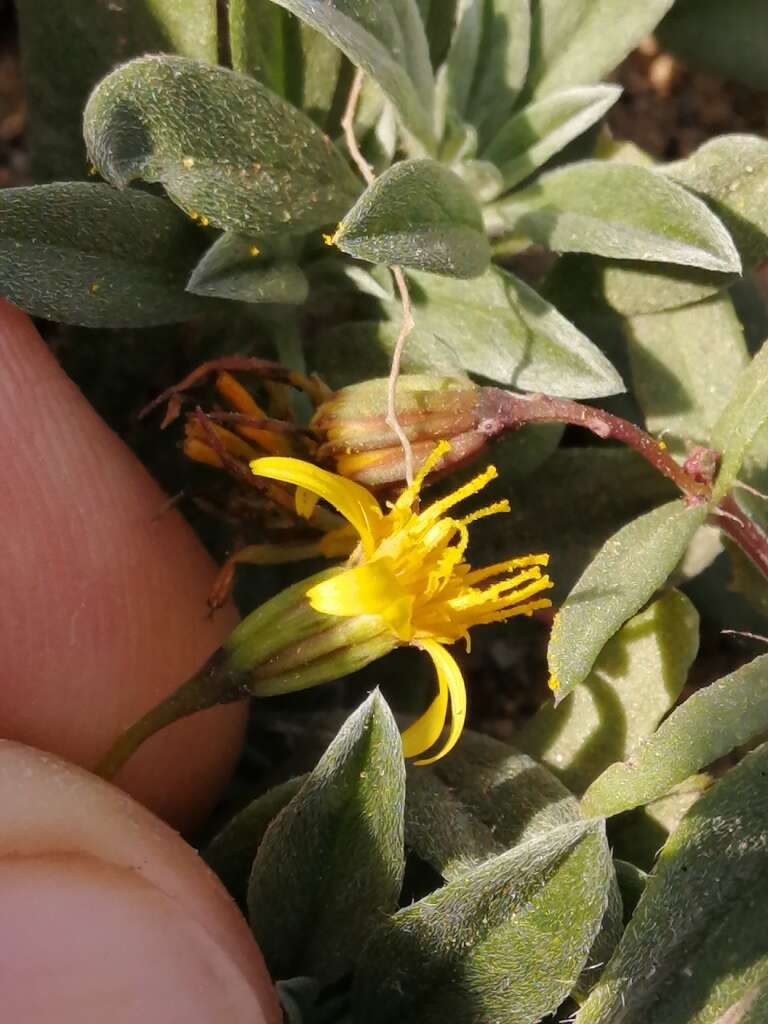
{"x":319,"y":204}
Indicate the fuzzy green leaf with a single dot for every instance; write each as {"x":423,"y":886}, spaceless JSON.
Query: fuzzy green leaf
{"x":685,"y":365}
{"x":506,"y":942}
{"x":498,"y":327}
{"x":494,"y":326}
{"x":696,"y":947}
{"x":231,"y":269}
{"x":67,"y":47}
{"x":741,"y":421}
{"x":708,"y":725}
{"x":579,"y":41}
{"x":502,"y":67}
{"x":487,"y":62}
{"x":332,"y":862}
{"x":421,"y":215}
{"x":226,"y":148}
{"x":616,"y":210}
{"x":625,"y":573}
{"x":455,"y":76}
{"x":642,"y":832}
{"x":543,"y":128}
{"x":89,"y":255}
{"x":388,"y":42}
{"x":730,"y":174}
{"x":636,"y":680}
{"x":638,"y":288}
{"x":231,"y":852}
{"x":289,"y":57}
{"x":484,"y":799}
{"x":730,"y":41}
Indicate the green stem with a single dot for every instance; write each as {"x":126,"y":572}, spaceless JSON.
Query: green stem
{"x":215,"y":683}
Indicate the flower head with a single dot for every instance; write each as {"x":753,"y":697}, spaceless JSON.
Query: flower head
{"x":408,"y":572}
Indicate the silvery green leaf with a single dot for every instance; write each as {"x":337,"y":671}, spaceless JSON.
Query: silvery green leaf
{"x":685,"y":365}
{"x":289,"y":57}
{"x":578,"y":41}
{"x":503,"y":65}
{"x":231,"y":852}
{"x":486,"y":64}
{"x":417,"y":214}
{"x":696,"y":947}
{"x":542,"y":128}
{"x":730,"y":174}
{"x":494,"y":326}
{"x":616,"y":210}
{"x":505,"y":942}
{"x":635,"y":681}
{"x":226,"y":149}
{"x":388,"y":42}
{"x":624,"y":574}
{"x":331,"y":863}
{"x":711,"y":722}
{"x":741,"y":421}
{"x":486,"y":798}
{"x":90,"y":255}
{"x":238,"y":268}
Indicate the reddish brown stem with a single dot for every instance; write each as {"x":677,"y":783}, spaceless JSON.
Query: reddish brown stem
{"x":504,"y":410}
{"x":508,"y":411}
{"x":737,"y":525}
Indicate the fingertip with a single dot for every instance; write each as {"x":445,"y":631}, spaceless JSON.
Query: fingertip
{"x":104,"y":598}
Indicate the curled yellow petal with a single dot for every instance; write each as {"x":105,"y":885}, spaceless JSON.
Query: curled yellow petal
{"x":450,"y":679}
{"x":354,"y":502}
{"x":425,"y":731}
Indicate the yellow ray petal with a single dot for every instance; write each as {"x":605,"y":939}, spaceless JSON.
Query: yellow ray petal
{"x":425,"y":731}
{"x":353,"y":501}
{"x":449,"y":677}
{"x":369,"y":589}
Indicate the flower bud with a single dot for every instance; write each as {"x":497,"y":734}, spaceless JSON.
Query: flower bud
{"x":287,"y":645}
{"x":356,"y":439}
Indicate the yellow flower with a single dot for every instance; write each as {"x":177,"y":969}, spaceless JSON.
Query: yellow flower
{"x":409,"y":572}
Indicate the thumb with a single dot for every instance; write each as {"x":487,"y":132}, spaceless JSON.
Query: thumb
{"x":104,"y":602}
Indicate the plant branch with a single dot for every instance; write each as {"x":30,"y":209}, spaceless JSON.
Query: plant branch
{"x":742,"y":529}
{"x":507,"y":410}
{"x":406,"y":325}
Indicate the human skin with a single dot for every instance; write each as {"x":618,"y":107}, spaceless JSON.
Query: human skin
{"x":108,"y":915}
{"x":103,"y":592}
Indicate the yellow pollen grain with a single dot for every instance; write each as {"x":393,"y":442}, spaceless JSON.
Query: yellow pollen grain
{"x":193,"y":214}
{"x":662,"y":446}
{"x":254,"y":250}
{"x":204,"y":222}
{"x":94,"y":287}
{"x":188,"y":161}
{"x":331,"y":239}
